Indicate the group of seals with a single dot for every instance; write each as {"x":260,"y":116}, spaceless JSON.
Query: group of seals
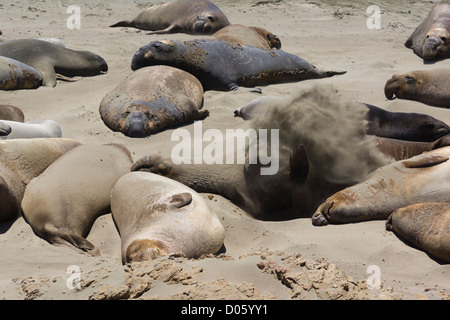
{"x":223,"y":67}
{"x":152,"y":99}
{"x":404,"y":193}
{"x":21,"y":160}
{"x":62,"y":210}
{"x":50,"y":59}
{"x":187,"y":16}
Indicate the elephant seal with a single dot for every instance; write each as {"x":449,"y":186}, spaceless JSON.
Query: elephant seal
{"x":310,"y":160}
{"x":50,"y":59}
{"x":153,"y":99}
{"x":425,"y":226}
{"x":21,"y":160}
{"x":381,"y":123}
{"x":157,"y":216}
{"x":62,"y":204}
{"x":431,"y":39}
{"x":32,"y":129}
{"x":430,"y":87}
{"x":182,"y":16}
{"x":12,"y":113}
{"x":220,"y":66}
{"x":15,"y":75}
{"x":237,"y":34}
{"x":422,"y":178}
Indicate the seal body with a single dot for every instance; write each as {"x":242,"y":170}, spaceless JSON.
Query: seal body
{"x":152,"y":99}
{"x":431,"y":39}
{"x":32,"y":129}
{"x":15,"y":75}
{"x":184,"y":16}
{"x":425,"y":226}
{"x":62,"y":204}
{"x":422,"y":178}
{"x":223,"y":67}
{"x":21,"y":160}
{"x":50,"y":59}
{"x":429,"y":87}
{"x":156,"y":216}
{"x":237,"y":34}
{"x":12,"y":113}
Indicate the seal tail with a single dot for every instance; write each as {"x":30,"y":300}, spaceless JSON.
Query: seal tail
{"x":124,"y":23}
{"x":329,"y":74}
{"x":55,"y":236}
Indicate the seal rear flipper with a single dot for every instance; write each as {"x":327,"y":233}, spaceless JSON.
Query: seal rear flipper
{"x":124,"y":23}
{"x":5,"y":129}
{"x":68,"y":79}
{"x":55,"y":236}
{"x":329,"y":74}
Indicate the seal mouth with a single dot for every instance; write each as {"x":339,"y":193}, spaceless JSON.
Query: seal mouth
{"x":431,"y":47}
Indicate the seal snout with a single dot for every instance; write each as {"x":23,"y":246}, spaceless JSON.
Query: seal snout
{"x":136,"y":125}
{"x":320,"y":217}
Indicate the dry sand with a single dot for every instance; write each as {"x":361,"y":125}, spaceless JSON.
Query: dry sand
{"x":263,"y":260}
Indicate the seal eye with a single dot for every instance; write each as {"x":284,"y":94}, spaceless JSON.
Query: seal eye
{"x":444,"y":39}
{"x":410,"y":80}
{"x":211,"y":18}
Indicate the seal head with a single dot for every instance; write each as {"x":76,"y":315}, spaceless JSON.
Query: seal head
{"x":437,"y":44}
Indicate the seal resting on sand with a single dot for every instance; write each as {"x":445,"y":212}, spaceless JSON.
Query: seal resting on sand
{"x":220,"y":66}
{"x":15,"y":75}
{"x":62,"y":204}
{"x":21,"y":160}
{"x":152,"y":99}
{"x":157,"y":216}
{"x":431,"y":39}
{"x":12,"y":113}
{"x":32,"y":129}
{"x":431,"y":87}
{"x":237,"y":34}
{"x":425,"y":226}
{"x":422,"y":178}
{"x":184,"y":16}
{"x":50,"y":59}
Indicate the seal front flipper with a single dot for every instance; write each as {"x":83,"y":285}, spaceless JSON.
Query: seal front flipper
{"x":55,"y":236}
{"x":5,"y":129}
{"x":48,"y":75}
{"x":329,"y":74}
{"x":425,"y":162}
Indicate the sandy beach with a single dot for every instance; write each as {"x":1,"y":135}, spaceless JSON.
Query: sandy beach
{"x":263,"y":260}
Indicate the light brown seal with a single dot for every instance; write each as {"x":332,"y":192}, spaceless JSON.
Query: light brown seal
{"x":431,"y":39}
{"x":237,"y":34}
{"x":423,"y":178}
{"x":12,"y":113}
{"x":153,"y":99}
{"x":21,"y":160}
{"x":427,"y":86}
{"x":184,"y":16}
{"x":425,"y":226}
{"x":157,"y":216}
{"x":62,"y":204}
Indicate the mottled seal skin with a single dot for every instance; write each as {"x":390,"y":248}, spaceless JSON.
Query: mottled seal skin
{"x":15,"y":75}
{"x":431,"y":39}
{"x":50,"y":59}
{"x":223,"y":67}
{"x":21,"y":160}
{"x":12,"y":113}
{"x":237,"y":34}
{"x":422,"y":178}
{"x":62,"y":204}
{"x":153,"y":99}
{"x":425,"y":226}
{"x":182,"y":16}
{"x":157,"y":216}
{"x":32,"y":129}
{"x":427,"y":86}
